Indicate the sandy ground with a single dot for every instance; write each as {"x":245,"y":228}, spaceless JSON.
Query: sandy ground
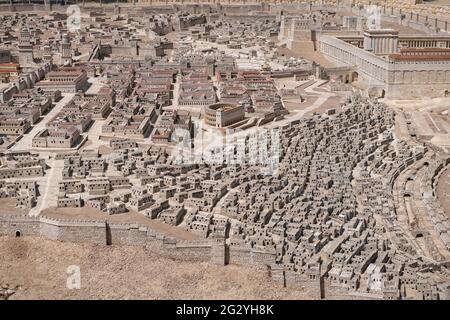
{"x":8,"y":206}
{"x":306,"y":54}
{"x":330,"y":103}
{"x":38,"y":269}
{"x":402,"y":30}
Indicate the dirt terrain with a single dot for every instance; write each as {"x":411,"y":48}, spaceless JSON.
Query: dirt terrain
{"x":35,"y":268}
{"x":8,"y":205}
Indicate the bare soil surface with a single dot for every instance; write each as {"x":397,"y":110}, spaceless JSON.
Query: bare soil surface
{"x":330,"y":103}
{"x":8,"y":206}
{"x":36,"y":268}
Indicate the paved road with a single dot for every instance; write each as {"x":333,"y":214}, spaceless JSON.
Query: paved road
{"x":48,"y":187}
{"x":297,"y":115}
{"x":176,"y":93}
{"x":26,"y":142}
{"x":94,"y":135}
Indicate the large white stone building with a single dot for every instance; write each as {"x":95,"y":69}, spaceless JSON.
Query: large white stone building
{"x":399,"y":73}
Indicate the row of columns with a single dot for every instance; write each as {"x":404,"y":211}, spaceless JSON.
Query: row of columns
{"x":424,"y":44}
{"x":378,"y":72}
{"x":350,"y":58}
{"x":411,"y":16}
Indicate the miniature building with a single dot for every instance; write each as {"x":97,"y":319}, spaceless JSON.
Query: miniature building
{"x":26,"y":57}
{"x":341,"y":199}
{"x":56,"y":138}
{"x":66,"y":79}
{"x":66,"y":52}
{"x":381,"y":42}
{"x":222,"y":115}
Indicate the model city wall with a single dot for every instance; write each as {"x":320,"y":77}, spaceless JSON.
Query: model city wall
{"x":214,"y":250}
{"x":105,"y":233}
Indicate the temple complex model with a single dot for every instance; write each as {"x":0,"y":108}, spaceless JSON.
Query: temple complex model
{"x":306,"y":139}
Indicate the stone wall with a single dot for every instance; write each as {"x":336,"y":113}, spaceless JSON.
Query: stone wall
{"x":210,"y":250}
{"x":261,"y":258}
{"x":127,"y":234}
{"x":240,"y":255}
{"x":101,"y":232}
{"x":319,"y":288}
{"x":313,"y":287}
{"x":24,"y":225}
{"x":73,"y":231}
{"x":194,"y":250}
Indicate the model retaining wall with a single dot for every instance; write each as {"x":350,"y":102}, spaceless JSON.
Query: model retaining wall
{"x":210,"y":250}
{"x":104,"y":233}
